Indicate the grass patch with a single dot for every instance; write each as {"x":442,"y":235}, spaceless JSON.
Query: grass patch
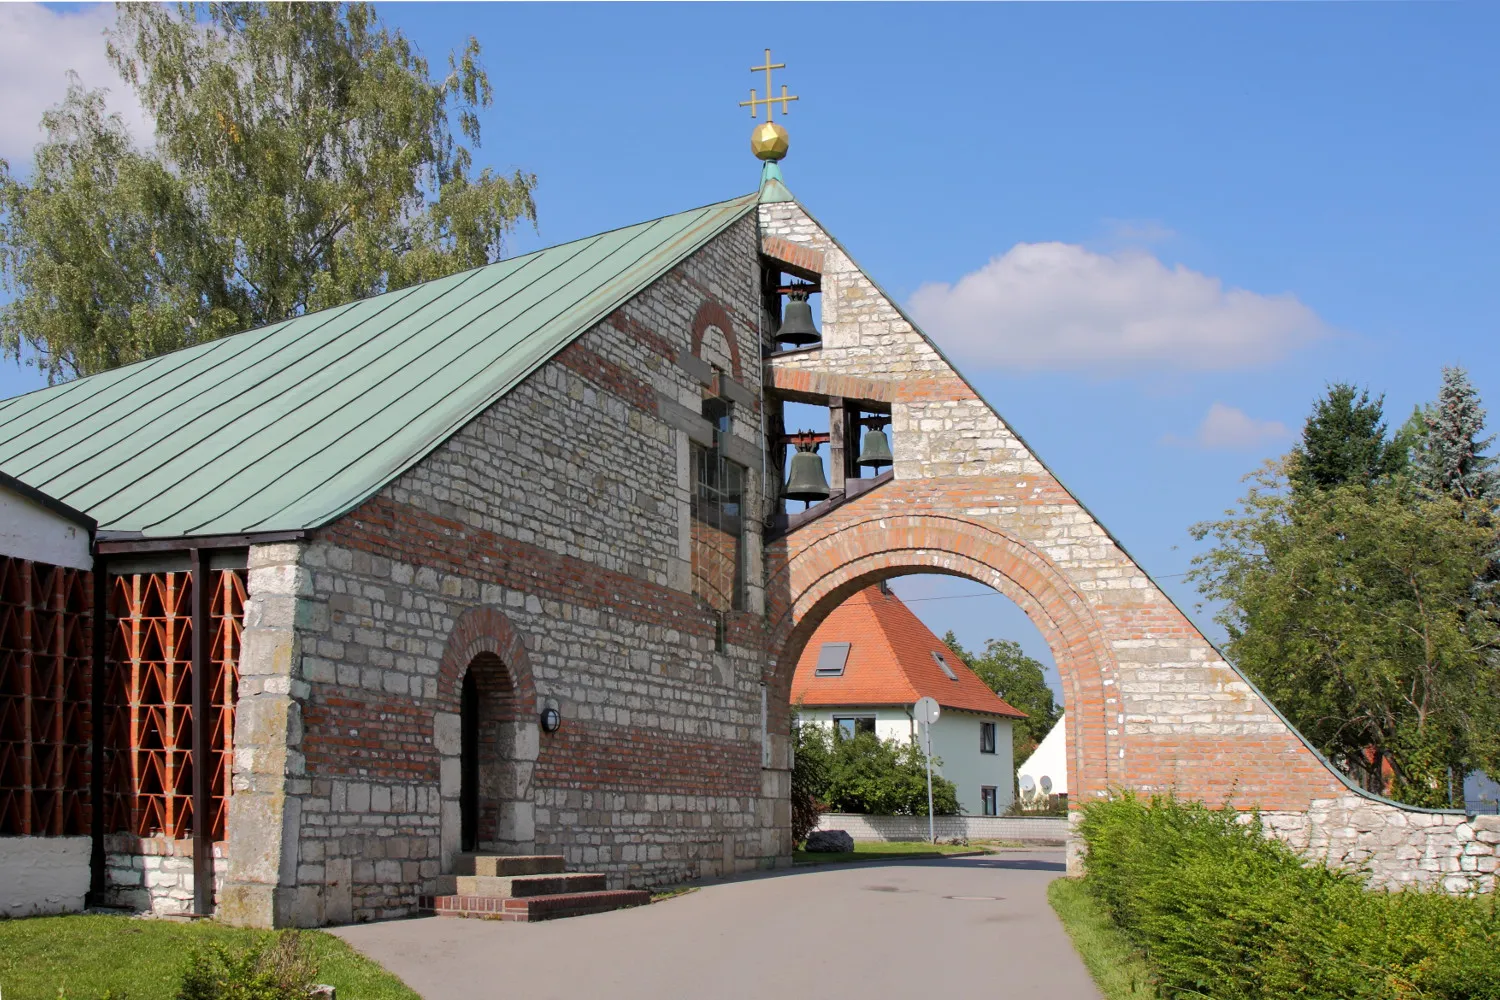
{"x":881,"y":850}
{"x":1118,"y":969}
{"x":657,"y":895}
{"x":82,"y":957}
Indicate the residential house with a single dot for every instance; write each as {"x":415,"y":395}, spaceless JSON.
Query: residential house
{"x":866,"y":666}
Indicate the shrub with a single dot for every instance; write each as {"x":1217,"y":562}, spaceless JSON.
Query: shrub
{"x":280,"y":967}
{"x":810,"y":747}
{"x":1220,"y":910}
{"x":864,"y":774}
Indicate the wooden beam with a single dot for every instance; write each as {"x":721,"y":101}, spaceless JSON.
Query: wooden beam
{"x":98,"y":679}
{"x":838,"y":446}
{"x":203,"y":840}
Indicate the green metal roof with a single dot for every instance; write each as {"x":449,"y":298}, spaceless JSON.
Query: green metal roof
{"x":289,"y":426}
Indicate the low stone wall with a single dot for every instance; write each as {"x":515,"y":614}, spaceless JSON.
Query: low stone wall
{"x":41,"y":875}
{"x":152,"y":874}
{"x":1028,"y":829}
{"x":1398,"y":846}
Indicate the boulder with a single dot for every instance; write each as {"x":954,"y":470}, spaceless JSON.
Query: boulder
{"x":829,"y":842}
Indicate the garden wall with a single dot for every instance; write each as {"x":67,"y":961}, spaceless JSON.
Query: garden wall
{"x":1029,"y":829}
{"x":41,"y":875}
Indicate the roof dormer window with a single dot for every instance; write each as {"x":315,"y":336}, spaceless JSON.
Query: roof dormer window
{"x":943,"y":665}
{"x":831,"y":659}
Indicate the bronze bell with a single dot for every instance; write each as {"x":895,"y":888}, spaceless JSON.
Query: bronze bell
{"x":797,"y":324}
{"x":806,"y":481}
{"x":874,"y":449}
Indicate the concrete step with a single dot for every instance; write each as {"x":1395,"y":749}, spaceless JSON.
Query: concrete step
{"x":521,"y":886}
{"x":553,"y":907}
{"x":497,"y":865}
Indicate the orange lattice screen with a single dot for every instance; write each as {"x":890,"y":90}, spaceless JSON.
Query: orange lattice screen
{"x":149,"y":700}
{"x":45,"y":615}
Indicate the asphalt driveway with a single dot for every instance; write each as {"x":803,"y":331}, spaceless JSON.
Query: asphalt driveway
{"x":946,"y":927}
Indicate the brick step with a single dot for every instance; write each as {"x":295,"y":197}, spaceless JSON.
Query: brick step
{"x":553,"y":907}
{"x":509,"y":864}
{"x":518,"y":886}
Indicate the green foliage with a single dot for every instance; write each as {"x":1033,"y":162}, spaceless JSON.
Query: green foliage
{"x":810,"y":752}
{"x":1343,"y":443}
{"x":1449,"y":458}
{"x":1021,"y":681}
{"x":1357,"y":588}
{"x":865,"y":774}
{"x":1353,"y":610}
{"x":275,"y":968}
{"x":1220,"y":910}
{"x":304,"y":157}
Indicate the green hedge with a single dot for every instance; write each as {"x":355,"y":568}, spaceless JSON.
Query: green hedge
{"x":1219,"y":910}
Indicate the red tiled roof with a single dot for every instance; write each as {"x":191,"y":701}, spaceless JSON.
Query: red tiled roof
{"x":890,"y":662}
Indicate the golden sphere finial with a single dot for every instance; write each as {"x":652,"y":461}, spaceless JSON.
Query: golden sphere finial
{"x":769,"y":141}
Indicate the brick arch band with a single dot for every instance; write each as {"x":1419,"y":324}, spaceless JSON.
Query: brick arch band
{"x":807,"y":584}
{"x":486,"y":630}
{"x":712,"y":314}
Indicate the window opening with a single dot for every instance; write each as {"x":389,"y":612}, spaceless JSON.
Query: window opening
{"x":831,"y":659}
{"x":986,"y":737}
{"x":853,"y":725}
{"x":943,"y":665}
{"x":718,"y":543}
{"x":990,"y":801}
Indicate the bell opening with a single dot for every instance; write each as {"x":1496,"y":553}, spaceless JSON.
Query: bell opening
{"x":797,"y":328}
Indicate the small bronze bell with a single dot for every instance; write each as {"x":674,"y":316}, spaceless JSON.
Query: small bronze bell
{"x":806,"y":481}
{"x":797,"y":324}
{"x":875,"y":450}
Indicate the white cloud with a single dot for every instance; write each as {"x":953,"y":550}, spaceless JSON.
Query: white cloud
{"x":1231,"y":429}
{"x":1064,"y":307}
{"x":38,"y":46}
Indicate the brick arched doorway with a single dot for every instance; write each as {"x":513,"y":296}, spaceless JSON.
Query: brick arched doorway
{"x":811,"y":574}
{"x":486,"y":738}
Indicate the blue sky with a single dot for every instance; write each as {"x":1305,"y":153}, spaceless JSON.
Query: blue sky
{"x":1222,"y":206}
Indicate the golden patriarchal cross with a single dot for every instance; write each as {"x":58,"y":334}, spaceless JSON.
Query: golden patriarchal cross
{"x":770,"y":99}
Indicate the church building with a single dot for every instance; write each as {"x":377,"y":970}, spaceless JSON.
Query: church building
{"x":491,"y":576}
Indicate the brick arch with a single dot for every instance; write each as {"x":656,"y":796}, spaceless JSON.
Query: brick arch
{"x":810,"y":581}
{"x":486,"y":632}
{"x":712,"y":314}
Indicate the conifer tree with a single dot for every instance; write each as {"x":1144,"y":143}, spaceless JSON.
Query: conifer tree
{"x":1343,"y":442}
{"x":1450,"y":457}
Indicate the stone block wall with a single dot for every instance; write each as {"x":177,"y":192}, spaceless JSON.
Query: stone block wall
{"x":1152,"y":706}
{"x":1040,"y":830}
{"x":552,"y":533}
{"x":154,"y":874}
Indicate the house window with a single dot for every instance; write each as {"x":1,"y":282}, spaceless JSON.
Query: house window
{"x":943,"y":665}
{"x":718,"y":530}
{"x":831,"y":659}
{"x":989,"y":801}
{"x":853,"y":725}
{"x":986,"y":737}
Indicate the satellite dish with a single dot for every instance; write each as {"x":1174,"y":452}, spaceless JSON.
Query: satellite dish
{"x":1027,"y":785}
{"x":1046,"y":785}
{"x":926,"y":710}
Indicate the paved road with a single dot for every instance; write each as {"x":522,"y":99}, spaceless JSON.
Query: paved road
{"x":866,"y":931}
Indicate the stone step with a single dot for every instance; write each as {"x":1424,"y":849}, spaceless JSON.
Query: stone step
{"x":519,"y":886}
{"x":553,"y":907}
{"x":509,"y":864}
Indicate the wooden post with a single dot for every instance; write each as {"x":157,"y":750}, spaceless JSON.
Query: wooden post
{"x":98,"y":680}
{"x":838,"y":437}
{"x":203,"y":841}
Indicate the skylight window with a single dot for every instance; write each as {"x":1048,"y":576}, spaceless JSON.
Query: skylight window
{"x":831,"y":659}
{"x":943,"y":664}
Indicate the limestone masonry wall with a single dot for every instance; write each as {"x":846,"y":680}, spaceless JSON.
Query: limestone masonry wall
{"x":1152,"y":706}
{"x":559,"y":517}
